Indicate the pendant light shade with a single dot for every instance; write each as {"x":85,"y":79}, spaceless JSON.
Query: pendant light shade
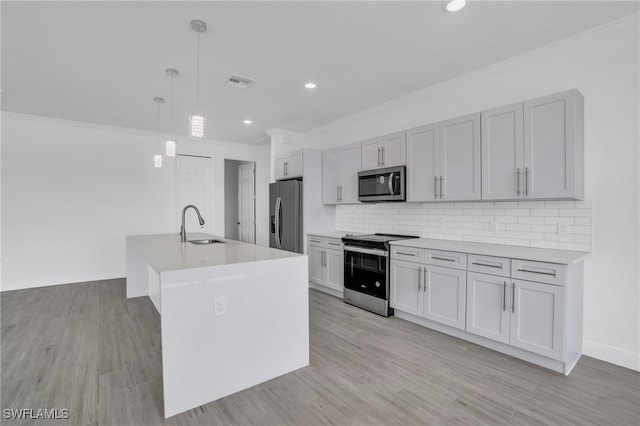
{"x":157,"y":158}
{"x":170,"y":146}
{"x":196,"y":120}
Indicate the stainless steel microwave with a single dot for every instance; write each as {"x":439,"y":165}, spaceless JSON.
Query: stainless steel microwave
{"x":378,"y":185}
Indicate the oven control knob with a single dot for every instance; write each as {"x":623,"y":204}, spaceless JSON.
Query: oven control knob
{"x":377,"y":283}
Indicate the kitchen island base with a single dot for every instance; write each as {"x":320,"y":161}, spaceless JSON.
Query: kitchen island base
{"x":225,"y":327}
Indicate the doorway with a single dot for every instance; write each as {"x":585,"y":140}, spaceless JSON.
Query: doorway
{"x":194,"y":186}
{"x":239,"y":200}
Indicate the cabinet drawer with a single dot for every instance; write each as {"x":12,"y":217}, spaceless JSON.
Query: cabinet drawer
{"x":489,"y":265}
{"x":550,"y":273}
{"x":449,"y":259}
{"x":409,"y":254}
{"x":330,"y":243}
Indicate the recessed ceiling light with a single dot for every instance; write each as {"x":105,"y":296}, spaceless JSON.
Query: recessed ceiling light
{"x":455,"y":5}
{"x":310,"y":85}
{"x":247,"y":121}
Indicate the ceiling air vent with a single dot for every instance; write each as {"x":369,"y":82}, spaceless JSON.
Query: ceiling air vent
{"x":241,"y":82}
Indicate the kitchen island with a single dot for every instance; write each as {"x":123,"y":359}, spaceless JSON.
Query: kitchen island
{"x":232,"y":314}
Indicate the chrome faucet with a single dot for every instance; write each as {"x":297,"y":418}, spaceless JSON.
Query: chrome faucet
{"x":183,"y":232}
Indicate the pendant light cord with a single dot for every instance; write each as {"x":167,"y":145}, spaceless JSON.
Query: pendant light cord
{"x":158,"y":129}
{"x":198,"y":73}
{"x":171,"y":109}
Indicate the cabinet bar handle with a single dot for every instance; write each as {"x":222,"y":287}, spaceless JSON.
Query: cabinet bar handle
{"x":553,"y":274}
{"x":419,"y":278}
{"x":383,"y":155}
{"x":379,"y":156}
{"x":441,"y":179}
{"x":504,"y":296}
{"x":340,"y":192}
{"x":337,"y":193}
{"x":487,"y":265}
{"x":513,"y":298}
{"x":286,"y":172}
{"x":518,"y":181}
{"x":435,"y":187}
{"x":442,"y":258}
{"x":335,"y":244}
{"x":526,"y":181}
{"x":402,"y":253}
{"x":314,"y":241}
{"x":424,"y":280}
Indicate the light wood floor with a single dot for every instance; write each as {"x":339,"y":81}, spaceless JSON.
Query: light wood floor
{"x":87,"y":348}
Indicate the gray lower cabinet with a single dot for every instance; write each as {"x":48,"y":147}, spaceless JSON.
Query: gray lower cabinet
{"x":534,"y":149}
{"x":528,"y":309}
{"x":428,"y":291}
{"x":524,"y":314}
{"x":326,"y":264}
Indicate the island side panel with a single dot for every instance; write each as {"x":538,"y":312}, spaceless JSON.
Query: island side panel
{"x":263,"y":333}
{"x":137,"y":272}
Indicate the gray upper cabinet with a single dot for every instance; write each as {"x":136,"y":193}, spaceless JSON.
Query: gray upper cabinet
{"x":340,"y":167}
{"x":534,"y":149}
{"x":384,"y":151}
{"x":443,"y":161}
{"x":554,"y":146}
{"x":423,"y":163}
{"x":459,"y":173}
{"x":502,"y":153}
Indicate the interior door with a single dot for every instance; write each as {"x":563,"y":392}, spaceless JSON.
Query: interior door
{"x":246,"y":203}
{"x":194,"y":186}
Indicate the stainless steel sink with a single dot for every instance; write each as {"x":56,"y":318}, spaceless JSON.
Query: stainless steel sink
{"x":203,"y":242}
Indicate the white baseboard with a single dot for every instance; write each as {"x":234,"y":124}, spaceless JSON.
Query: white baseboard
{"x":611,"y":354}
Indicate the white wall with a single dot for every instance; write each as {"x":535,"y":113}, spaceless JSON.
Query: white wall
{"x":72,"y":191}
{"x":603,"y":65}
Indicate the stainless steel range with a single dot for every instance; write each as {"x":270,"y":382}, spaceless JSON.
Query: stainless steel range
{"x":366,"y":271}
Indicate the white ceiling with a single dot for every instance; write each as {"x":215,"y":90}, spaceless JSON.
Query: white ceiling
{"x":103,"y":62}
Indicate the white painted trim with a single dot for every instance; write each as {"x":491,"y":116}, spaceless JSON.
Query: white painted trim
{"x":621,"y":26}
{"x":611,"y":354}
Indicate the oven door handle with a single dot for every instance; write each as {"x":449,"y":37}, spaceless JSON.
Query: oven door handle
{"x":367,"y":251}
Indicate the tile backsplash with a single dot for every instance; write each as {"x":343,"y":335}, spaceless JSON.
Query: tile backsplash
{"x":564,"y":225}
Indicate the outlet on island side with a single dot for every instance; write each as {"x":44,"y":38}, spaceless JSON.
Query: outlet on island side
{"x":219,"y":306}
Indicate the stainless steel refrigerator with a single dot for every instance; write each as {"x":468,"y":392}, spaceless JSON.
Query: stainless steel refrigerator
{"x":285,"y":215}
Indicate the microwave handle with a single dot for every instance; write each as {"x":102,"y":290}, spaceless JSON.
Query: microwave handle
{"x":391,"y":184}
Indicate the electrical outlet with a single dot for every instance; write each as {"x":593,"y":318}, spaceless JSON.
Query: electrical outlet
{"x":563,"y":227}
{"x":492,"y":225}
{"x":219,"y":306}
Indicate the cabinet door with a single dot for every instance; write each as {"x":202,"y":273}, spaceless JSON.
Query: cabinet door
{"x":393,"y":150}
{"x":371,"y":154}
{"x":502,"y":153}
{"x":487,"y":311}
{"x":537,"y":318}
{"x":316,"y":265}
{"x":422,"y":157}
{"x":279,"y":168}
{"x":334,"y":269}
{"x":460,"y":158}
{"x":351,"y":165}
{"x":445,"y":295}
{"x":331,"y":161}
{"x":406,"y":287}
{"x":550,"y":145}
{"x":293,"y":165}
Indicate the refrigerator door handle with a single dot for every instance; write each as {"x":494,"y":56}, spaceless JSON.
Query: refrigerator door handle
{"x":280,"y":222}
{"x":278,"y":200}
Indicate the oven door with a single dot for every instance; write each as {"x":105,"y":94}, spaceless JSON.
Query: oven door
{"x":365,"y":271}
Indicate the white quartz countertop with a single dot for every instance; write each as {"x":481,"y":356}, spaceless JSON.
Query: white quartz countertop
{"x":165,"y":252}
{"x":332,"y":234}
{"x":564,"y":257}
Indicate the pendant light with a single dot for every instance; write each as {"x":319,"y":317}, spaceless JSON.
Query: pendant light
{"x":196,"y":120}
{"x":170,"y":145}
{"x":157,"y":158}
